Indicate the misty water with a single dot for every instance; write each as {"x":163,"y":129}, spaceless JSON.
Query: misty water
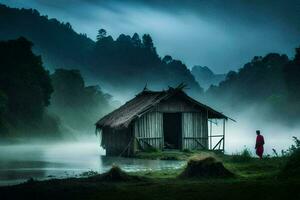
{"x":18,"y":163}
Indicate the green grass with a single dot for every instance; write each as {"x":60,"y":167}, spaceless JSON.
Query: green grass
{"x":253,"y":168}
{"x":172,"y":155}
{"x":255,"y":179}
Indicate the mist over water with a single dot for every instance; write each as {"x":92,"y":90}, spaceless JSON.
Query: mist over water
{"x":66,"y":159}
{"x":71,"y":157}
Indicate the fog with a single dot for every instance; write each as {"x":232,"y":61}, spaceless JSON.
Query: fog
{"x":76,"y":153}
{"x":196,"y":32}
{"x":242,"y":133}
{"x":212,"y":34}
{"x":20,"y":162}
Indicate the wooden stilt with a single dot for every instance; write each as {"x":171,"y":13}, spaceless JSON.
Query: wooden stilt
{"x":224,"y":123}
{"x":210,"y":138}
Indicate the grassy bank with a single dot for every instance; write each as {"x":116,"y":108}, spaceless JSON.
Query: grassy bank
{"x":173,"y":155}
{"x":255,"y":179}
{"x":155,"y":189}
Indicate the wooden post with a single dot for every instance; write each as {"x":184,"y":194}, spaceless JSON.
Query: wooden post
{"x":224,"y":122}
{"x":210,"y":138}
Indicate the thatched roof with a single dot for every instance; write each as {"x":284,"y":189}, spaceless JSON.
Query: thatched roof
{"x":143,"y":103}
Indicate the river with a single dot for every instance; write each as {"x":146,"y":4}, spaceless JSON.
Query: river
{"x":18,"y":163}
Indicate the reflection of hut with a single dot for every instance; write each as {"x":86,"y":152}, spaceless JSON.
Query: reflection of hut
{"x":161,"y":120}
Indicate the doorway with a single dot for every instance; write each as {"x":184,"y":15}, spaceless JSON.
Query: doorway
{"x":172,"y":130}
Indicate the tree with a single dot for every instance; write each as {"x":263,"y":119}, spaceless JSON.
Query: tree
{"x":3,"y":109}
{"x":23,"y":79}
{"x":167,"y":59}
{"x":75,"y":102}
{"x":148,"y":42}
{"x":124,"y":40}
{"x":68,"y":25}
{"x":292,"y":74}
{"x":25,"y":88}
{"x":101,"y":34}
{"x":297,"y":56}
{"x":3,"y":103}
{"x":136,"y":41}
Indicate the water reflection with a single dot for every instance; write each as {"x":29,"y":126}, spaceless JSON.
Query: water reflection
{"x":21,"y":162}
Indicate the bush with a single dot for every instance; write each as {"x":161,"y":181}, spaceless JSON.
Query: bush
{"x":89,"y":173}
{"x":151,"y":149}
{"x":243,"y":156}
{"x":186,"y":151}
{"x":292,"y":166}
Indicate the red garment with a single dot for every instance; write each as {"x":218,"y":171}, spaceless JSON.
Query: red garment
{"x":259,"y":145}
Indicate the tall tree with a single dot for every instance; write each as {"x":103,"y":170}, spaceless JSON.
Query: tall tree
{"x":136,"y":41}
{"x":23,"y":79}
{"x":101,"y":34}
{"x":292,"y":74}
{"x":25,"y":89}
{"x":148,"y":42}
{"x":79,"y":106}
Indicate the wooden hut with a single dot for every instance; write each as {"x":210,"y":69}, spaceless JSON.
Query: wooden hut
{"x":158,"y":119}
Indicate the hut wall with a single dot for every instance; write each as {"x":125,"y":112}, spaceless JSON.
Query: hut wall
{"x":116,"y":141}
{"x":194,"y":130}
{"x":148,"y":131}
{"x":175,"y":104}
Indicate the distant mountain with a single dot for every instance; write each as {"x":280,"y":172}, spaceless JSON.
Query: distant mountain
{"x":121,"y":66}
{"x":58,"y":43}
{"x":206,"y":77}
{"x":267,"y":85}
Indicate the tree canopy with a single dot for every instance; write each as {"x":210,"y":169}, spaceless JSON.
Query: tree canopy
{"x":25,"y":86}
{"x":78,"y":106}
{"x":270,"y":82}
{"x":107,"y":61}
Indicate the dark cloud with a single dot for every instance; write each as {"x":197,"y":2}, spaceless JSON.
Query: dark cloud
{"x":220,"y":34}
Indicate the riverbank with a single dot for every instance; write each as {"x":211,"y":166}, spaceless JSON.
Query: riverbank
{"x":255,"y":179}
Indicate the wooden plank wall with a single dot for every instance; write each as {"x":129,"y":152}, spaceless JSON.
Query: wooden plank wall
{"x":116,"y":141}
{"x":175,"y":104}
{"x":149,"y":130}
{"x":194,"y":130}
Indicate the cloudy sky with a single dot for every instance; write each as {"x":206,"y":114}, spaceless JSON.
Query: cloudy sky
{"x":222,"y":35}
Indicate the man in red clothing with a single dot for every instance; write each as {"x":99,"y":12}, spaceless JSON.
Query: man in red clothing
{"x":259,"y":146}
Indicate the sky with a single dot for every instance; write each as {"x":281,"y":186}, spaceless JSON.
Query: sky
{"x":222,"y":35}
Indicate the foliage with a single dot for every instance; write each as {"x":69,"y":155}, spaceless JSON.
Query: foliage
{"x":57,"y":42}
{"x":293,"y":148}
{"x":186,"y":150}
{"x":78,"y":106}
{"x":270,"y":83}
{"x":3,"y":109}
{"x":112,"y":63}
{"x":89,"y":173}
{"x":25,"y":86}
{"x":296,"y":146}
{"x":292,"y":166}
{"x":244,"y":156}
{"x":116,"y":60}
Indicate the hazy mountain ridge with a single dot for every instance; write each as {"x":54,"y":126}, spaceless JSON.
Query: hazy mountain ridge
{"x":58,"y":43}
{"x":206,"y":77}
{"x":267,"y":85}
{"x":122,"y":66}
